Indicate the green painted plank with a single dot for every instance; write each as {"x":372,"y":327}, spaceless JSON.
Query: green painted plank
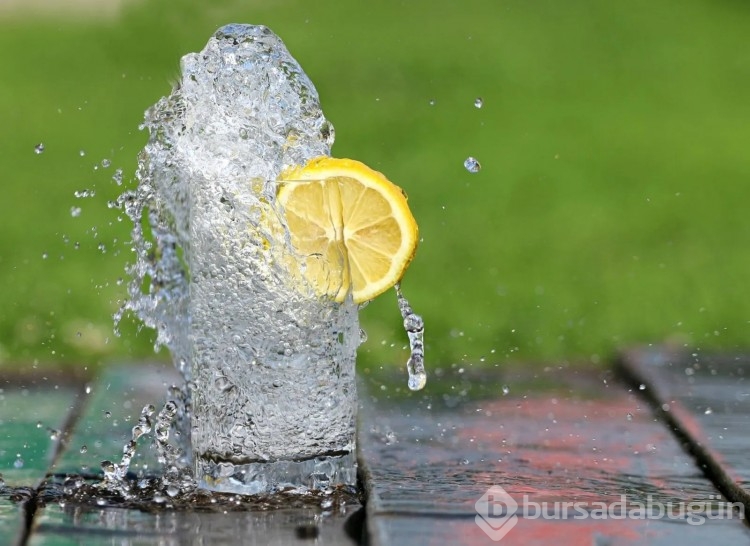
{"x":115,"y":402}
{"x":11,"y":520}
{"x":29,"y":417}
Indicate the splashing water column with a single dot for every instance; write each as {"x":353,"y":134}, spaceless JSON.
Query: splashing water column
{"x":269,"y":367}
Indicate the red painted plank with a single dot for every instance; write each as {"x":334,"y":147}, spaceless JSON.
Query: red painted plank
{"x":587,"y":440}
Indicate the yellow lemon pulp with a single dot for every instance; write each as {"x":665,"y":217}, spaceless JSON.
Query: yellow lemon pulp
{"x":351,"y":226}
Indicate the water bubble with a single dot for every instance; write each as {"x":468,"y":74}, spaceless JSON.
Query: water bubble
{"x":82,"y":152}
{"x":80,"y":194}
{"x":629,"y":416}
{"x":75,"y":212}
{"x":107,"y":414}
{"x":106,"y":163}
{"x":39,"y":424}
{"x":83,"y":449}
{"x":117,"y":177}
{"x":18,"y":463}
{"x":45,"y":256}
{"x":472,"y":165}
{"x":39,"y":148}
{"x":173,"y":491}
{"x":642,"y":387}
{"x":478,"y":102}
{"x":432,"y":102}
{"x":708,"y":411}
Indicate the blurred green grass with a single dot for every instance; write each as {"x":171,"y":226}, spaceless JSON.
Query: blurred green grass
{"x":610,"y":209}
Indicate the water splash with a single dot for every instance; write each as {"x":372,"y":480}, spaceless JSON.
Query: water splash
{"x":472,"y":165}
{"x":268,"y":365}
{"x":414,"y":326}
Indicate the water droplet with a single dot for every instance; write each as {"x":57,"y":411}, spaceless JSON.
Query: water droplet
{"x":414,"y":327}
{"x":84,"y":449}
{"x":629,"y":416}
{"x":432,"y":102}
{"x":506,"y":390}
{"x":81,"y":194}
{"x":708,"y":411}
{"x":106,"y":163}
{"x":39,"y":148}
{"x":88,"y":389}
{"x":19,"y":461}
{"x":642,"y":387}
{"x":39,"y":424}
{"x":173,"y":491}
{"x":107,"y":414}
{"x":75,"y":212}
{"x":478,"y":102}
{"x":45,"y":256}
{"x":472,"y":165}
{"x":117,"y":177}
{"x":82,"y":153}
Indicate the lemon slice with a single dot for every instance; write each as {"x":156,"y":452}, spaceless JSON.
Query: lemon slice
{"x":350,"y":225}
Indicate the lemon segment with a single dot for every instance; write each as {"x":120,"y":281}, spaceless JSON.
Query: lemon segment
{"x":350,"y":225}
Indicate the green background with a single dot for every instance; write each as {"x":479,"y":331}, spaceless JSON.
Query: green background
{"x":610,"y":208}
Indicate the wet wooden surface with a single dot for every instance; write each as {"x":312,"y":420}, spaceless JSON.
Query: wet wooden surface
{"x":705,"y":400}
{"x":559,"y":435}
{"x":566,"y":436}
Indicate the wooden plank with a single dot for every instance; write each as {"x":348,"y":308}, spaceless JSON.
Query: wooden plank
{"x":36,"y":411}
{"x":123,"y":391}
{"x":32,"y":421}
{"x":705,"y":400}
{"x":115,"y":402}
{"x":12,"y":520}
{"x":428,"y":459}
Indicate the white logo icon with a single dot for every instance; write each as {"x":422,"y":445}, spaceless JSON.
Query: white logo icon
{"x":496,"y":512}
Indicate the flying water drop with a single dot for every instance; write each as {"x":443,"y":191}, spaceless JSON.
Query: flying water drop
{"x":414,"y":326}
{"x":472,"y":165}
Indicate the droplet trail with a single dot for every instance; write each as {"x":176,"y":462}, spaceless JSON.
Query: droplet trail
{"x":414,"y":326}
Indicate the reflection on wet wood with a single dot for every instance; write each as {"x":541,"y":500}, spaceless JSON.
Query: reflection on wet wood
{"x":705,"y":401}
{"x":428,"y":457}
{"x":586,"y":440}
